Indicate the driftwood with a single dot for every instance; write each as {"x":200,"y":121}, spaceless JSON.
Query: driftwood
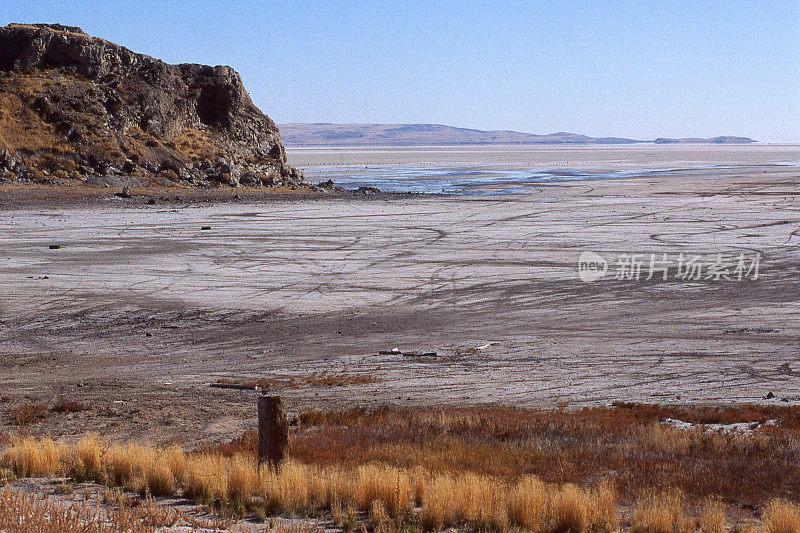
{"x":235,"y":386}
{"x":407,"y":354}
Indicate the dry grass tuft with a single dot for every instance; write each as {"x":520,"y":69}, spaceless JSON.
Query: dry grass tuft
{"x":661,"y":513}
{"x":527,"y":503}
{"x":569,"y":509}
{"x":175,"y":459}
{"x":385,"y":484}
{"x":604,"y":508}
{"x":713,"y":518}
{"x":32,"y":458}
{"x":781,"y":517}
{"x":86,"y":457}
{"x":206,"y":478}
{"x":159,"y":478}
{"x":377,"y":515}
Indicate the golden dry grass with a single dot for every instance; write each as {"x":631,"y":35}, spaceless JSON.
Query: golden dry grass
{"x":662,"y":513}
{"x":378,"y":515}
{"x":527,"y":503}
{"x":28,"y":513}
{"x":35,"y":458}
{"x":626,"y":444}
{"x":499,"y":470}
{"x":713,"y":518}
{"x":20,"y":127}
{"x":781,"y":517}
{"x":387,"y":492}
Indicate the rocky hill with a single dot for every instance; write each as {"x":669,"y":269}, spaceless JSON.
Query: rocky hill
{"x":79,"y":109}
{"x":438,"y":134}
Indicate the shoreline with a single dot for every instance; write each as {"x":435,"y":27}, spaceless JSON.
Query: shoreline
{"x":33,"y":196}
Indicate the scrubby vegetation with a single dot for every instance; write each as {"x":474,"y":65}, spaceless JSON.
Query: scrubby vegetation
{"x":628,"y":445}
{"x":488,"y":468}
{"x":24,"y":513}
{"x":236,"y":485}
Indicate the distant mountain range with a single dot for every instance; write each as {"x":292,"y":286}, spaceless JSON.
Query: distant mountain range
{"x":297,"y":134}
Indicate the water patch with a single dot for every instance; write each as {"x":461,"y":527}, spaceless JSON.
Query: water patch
{"x":476,"y":180}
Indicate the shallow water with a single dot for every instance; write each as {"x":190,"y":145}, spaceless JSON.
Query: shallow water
{"x":467,"y":180}
{"x":497,"y":170}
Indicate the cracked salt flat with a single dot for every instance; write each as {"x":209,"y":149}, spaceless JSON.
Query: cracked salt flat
{"x":143,"y":296}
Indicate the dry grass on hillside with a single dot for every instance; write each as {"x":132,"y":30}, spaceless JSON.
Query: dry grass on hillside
{"x":59,"y":118}
{"x":20,"y":126}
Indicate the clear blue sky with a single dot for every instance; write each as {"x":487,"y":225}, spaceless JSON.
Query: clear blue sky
{"x":635,"y":69}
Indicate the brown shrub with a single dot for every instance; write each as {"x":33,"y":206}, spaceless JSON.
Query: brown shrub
{"x":25,"y":414}
{"x":67,"y":406}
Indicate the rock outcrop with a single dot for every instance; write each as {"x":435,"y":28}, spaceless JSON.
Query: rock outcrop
{"x":75,"y":108}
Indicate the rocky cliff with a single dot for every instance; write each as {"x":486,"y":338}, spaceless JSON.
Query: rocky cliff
{"x":78,"y":109}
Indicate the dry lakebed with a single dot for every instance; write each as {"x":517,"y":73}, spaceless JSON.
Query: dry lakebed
{"x":133,"y":310}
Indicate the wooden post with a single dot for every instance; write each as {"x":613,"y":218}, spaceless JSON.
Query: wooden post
{"x":273,"y":431}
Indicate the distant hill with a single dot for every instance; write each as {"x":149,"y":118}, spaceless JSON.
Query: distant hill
{"x":724,"y":139}
{"x":323,"y":134}
{"x":423,"y":134}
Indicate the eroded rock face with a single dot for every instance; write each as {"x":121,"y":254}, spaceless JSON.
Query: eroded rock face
{"x":74,"y":106}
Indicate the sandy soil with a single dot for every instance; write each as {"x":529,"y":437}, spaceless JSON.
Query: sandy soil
{"x":141,"y":307}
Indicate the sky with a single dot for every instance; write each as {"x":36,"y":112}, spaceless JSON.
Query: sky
{"x":639,"y":69}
